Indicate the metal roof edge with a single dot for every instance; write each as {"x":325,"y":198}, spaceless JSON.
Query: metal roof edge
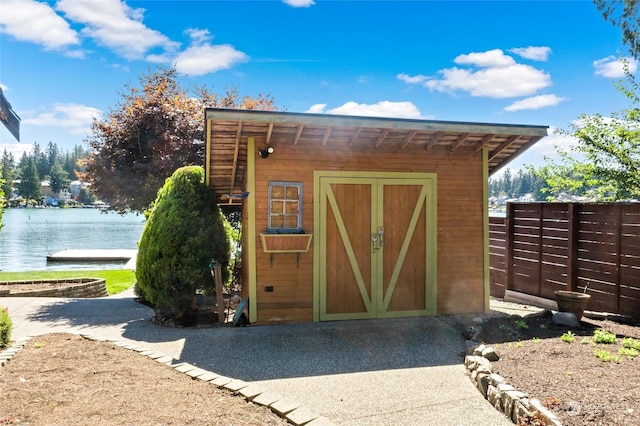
{"x":368,"y":121}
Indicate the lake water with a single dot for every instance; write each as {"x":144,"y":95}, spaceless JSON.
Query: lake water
{"x":30,"y":235}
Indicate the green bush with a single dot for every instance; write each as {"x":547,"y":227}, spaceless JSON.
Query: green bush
{"x":5,"y":328}
{"x":185,"y":230}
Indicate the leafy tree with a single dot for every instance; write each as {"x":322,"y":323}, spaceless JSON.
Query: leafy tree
{"x":7,"y":173}
{"x":59,"y":179}
{"x":1,"y":202}
{"x":29,"y":186}
{"x":625,"y":15}
{"x":605,"y":162}
{"x":154,"y":130}
{"x":85,"y":197}
{"x":185,"y":230}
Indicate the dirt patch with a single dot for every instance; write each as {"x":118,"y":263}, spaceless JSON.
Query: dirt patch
{"x":568,"y":377}
{"x":67,"y":379}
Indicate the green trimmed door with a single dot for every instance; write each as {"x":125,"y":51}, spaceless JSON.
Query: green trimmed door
{"x":377,"y":245}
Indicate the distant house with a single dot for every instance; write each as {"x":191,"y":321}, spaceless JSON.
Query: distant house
{"x":359,"y":217}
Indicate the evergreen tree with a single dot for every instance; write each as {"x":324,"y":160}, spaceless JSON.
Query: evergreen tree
{"x":185,"y":230}
{"x":29,"y":186}
{"x":59,"y":179}
{"x":7,"y":173}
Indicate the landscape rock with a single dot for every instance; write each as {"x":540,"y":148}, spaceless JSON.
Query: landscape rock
{"x":470,"y":345}
{"x":490,"y":354}
{"x":566,"y":318}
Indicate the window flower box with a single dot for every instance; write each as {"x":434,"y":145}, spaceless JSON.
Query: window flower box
{"x":285,"y":243}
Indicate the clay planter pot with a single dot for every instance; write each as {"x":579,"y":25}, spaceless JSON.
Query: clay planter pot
{"x":572,"y":301}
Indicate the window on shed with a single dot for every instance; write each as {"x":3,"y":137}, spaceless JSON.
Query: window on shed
{"x":285,"y":207}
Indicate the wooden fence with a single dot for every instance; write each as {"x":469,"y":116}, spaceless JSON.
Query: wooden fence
{"x":543,"y":247}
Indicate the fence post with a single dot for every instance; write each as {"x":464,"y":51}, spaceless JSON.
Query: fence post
{"x":508,"y":261}
{"x":217,"y":267}
{"x":572,"y":246}
{"x":618,"y":254}
{"x":540,"y":234}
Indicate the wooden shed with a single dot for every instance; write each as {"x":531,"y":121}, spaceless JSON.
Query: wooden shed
{"x":350,"y":217}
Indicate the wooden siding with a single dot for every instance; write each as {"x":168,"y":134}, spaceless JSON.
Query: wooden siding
{"x":460,"y":223}
{"x":544,"y":247}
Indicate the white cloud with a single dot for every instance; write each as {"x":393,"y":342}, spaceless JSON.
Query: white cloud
{"x":491,"y":58}
{"x":116,"y":26}
{"x":199,"y":60}
{"x":613,"y":67}
{"x":203,"y":57}
{"x":535,"y":102}
{"x":76,"y":118}
{"x":316,"y":109}
{"x":491,"y":74}
{"x":299,"y":3}
{"x":548,"y":146}
{"x":36,"y":22}
{"x":17,"y":149}
{"x":379,"y":109}
{"x":540,"y":53}
{"x":498,"y":82}
{"x":416,"y":79}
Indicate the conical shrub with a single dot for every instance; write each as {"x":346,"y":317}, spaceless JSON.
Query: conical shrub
{"x":185,"y":230}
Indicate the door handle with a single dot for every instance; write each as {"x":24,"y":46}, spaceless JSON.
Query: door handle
{"x":374,"y":239}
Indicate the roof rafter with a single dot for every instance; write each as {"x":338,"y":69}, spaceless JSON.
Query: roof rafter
{"x":236,"y":152}
{"x":407,"y":139}
{"x":510,"y":140}
{"x":463,"y":137}
{"x":433,"y":141}
{"x":381,"y":138}
{"x":354,"y":137}
{"x":296,"y":138}
{"x":485,"y":141}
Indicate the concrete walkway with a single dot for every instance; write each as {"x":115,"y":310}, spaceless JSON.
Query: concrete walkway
{"x":372,"y":372}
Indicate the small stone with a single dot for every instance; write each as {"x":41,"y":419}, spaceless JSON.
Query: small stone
{"x":549,"y":417}
{"x":482,"y":383}
{"x":470,"y":345}
{"x":565,"y":318}
{"x":478,"y":320}
{"x":478,"y":350}
{"x":519,"y":410}
{"x":473,"y":362}
{"x":493,"y":396}
{"x":490,"y":354}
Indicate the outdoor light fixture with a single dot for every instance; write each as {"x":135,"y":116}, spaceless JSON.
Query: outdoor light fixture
{"x":264,"y":152}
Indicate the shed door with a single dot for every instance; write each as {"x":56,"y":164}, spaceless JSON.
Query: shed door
{"x":377,"y":247}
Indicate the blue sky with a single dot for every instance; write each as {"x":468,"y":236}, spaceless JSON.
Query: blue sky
{"x":518,"y":62}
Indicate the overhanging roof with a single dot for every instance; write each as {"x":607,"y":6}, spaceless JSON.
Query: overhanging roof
{"x":230,"y":128}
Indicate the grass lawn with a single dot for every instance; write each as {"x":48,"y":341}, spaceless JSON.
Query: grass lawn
{"x":117,"y":280}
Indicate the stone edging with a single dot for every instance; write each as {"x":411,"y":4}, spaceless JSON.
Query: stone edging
{"x":505,"y":398}
{"x":288,"y":409}
{"x":68,"y":287}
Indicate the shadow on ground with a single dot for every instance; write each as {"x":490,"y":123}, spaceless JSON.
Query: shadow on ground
{"x":257,"y":353}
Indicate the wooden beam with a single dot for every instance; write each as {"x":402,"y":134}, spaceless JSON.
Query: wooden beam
{"x":327,"y":133}
{"x":432,"y":142}
{"x":463,"y":137}
{"x":408,"y":138}
{"x":269,"y":132}
{"x":236,"y":151}
{"x":381,"y":138}
{"x":503,"y":146}
{"x":296,"y":138}
{"x":355,"y":136}
{"x":484,"y":142}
